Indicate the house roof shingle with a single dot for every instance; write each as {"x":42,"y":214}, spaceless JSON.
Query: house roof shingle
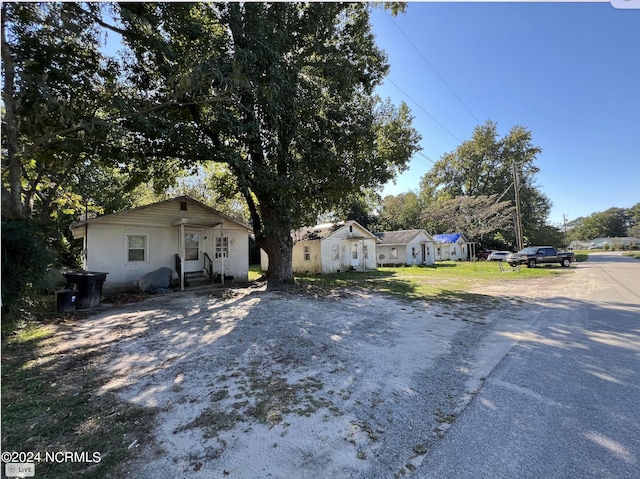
{"x":397,"y":237}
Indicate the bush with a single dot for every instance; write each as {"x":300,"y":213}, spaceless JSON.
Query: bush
{"x":27,"y":257}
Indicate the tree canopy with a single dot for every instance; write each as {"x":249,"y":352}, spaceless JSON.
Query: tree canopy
{"x":483,"y":167}
{"x":613,"y":222}
{"x":282,"y":94}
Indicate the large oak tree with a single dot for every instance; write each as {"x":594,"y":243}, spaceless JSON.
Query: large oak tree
{"x":282,"y":93}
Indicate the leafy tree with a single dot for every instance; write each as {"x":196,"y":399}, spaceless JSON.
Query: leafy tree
{"x":215,"y":186}
{"x":610,"y":223}
{"x":479,"y":217}
{"x":281,"y":93}
{"x":483,"y":166}
{"x":57,"y":91}
{"x":399,"y":212}
{"x":634,"y":221}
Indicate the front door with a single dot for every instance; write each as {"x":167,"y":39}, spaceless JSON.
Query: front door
{"x":192,"y":250}
{"x":355,"y":254}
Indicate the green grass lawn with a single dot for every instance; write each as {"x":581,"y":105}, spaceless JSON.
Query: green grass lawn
{"x":443,"y":281}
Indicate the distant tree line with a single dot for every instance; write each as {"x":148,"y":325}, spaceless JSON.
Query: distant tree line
{"x":614,"y":222}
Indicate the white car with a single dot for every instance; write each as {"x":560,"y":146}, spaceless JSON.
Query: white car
{"x":498,"y":256}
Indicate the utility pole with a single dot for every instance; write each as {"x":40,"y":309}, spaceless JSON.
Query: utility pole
{"x":518,"y":225}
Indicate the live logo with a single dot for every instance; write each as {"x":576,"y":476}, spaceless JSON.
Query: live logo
{"x":17,"y":469}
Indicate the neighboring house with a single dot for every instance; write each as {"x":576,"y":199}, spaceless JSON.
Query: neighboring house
{"x":181,"y":233}
{"x":619,"y":242}
{"x":451,"y":246}
{"x":331,"y":248}
{"x":575,"y":245}
{"x":405,"y":247}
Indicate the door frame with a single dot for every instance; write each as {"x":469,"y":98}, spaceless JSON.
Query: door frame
{"x":192,"y":265}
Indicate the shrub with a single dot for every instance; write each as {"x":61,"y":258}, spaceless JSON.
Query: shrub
{"x":27,"y":257}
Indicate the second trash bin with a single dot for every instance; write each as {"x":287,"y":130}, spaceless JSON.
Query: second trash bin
{"x":66,"y":300}
{"x":88,"y":285}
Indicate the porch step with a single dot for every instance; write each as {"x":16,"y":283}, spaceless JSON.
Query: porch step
{"x":196,"y":278}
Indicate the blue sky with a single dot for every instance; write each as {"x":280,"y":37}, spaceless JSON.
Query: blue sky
{"x":570,"y":72}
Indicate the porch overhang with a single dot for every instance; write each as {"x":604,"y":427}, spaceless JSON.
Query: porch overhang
{"x":199,"y":224}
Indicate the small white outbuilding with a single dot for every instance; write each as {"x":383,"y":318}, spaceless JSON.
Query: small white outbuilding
{"x":405,"y":247}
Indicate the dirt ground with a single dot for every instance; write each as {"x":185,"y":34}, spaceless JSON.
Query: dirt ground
{"x":254,"y":384}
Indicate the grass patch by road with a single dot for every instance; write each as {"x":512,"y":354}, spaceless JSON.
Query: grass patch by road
{"x":50,"y":405}
{"x":445,"y":280}
{"x":632,"y":254}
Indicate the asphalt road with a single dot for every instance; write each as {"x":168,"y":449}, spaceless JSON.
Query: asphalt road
{"x":564,"y":402}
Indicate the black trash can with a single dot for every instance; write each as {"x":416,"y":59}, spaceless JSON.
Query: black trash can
{"x":88,"y":285}
{"x":66,"y":300}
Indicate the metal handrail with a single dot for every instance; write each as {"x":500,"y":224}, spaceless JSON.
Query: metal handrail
{"x":208,"y":265}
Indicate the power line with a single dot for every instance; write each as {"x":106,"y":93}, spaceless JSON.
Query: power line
{"x":422,"y":154}
{"x":425,"y":111}
{"x":433,"y":68}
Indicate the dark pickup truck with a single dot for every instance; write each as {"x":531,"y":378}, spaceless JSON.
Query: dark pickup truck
{"x":534,"y":255}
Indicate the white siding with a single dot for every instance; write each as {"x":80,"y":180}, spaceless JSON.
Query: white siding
{"x":107,"y":249}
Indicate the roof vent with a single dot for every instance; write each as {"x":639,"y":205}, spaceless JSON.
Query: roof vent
{"x":183,"y":206}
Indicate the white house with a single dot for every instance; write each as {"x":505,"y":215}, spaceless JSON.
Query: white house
{"x":181,"y":233}
{"x":451,"y":246}
{"x":331,"y":248}
{"x":405,"y":247}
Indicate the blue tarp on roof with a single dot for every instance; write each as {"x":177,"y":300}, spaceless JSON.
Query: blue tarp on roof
{"x":447,"y":237}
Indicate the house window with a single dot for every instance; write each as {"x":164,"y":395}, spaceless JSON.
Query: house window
{"x":307,"y":253}
{"x":365,"y":251}
{"x":191,"y":246}
{"x":136,"y":248}
{"x":354,"y":250}
{"x":183,"y":206}
{"x":394,"y":253}
{"x":413,"y":253}
{"x":336,"y":252}
{"x":222,"y":247}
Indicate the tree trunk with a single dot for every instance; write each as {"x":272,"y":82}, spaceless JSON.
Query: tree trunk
{"x":274,"y":237}
{"x":13,"y":160}
{"x":280,"y":271}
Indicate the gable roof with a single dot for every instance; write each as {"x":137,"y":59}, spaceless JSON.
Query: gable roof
{"x":323,"y":231}
{"x":399,"y":237}
{"x":448,"y":237}
{"x":141,"y":209}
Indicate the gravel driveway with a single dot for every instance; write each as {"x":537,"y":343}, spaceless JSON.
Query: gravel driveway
{"x":256,"y":384}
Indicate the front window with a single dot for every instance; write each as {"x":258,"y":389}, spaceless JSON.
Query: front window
{"x":394,"y":253}
{"x":336,"y":252}
{"x":354,"y":251}
{"x":136,"y":248}
{"x":222,"y":246}
{"x":307,"y":253}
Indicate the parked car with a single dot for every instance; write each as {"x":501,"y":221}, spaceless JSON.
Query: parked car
{"x":498,"y":256}
{"x":541,"y":255}
{"x":484,"y":254}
